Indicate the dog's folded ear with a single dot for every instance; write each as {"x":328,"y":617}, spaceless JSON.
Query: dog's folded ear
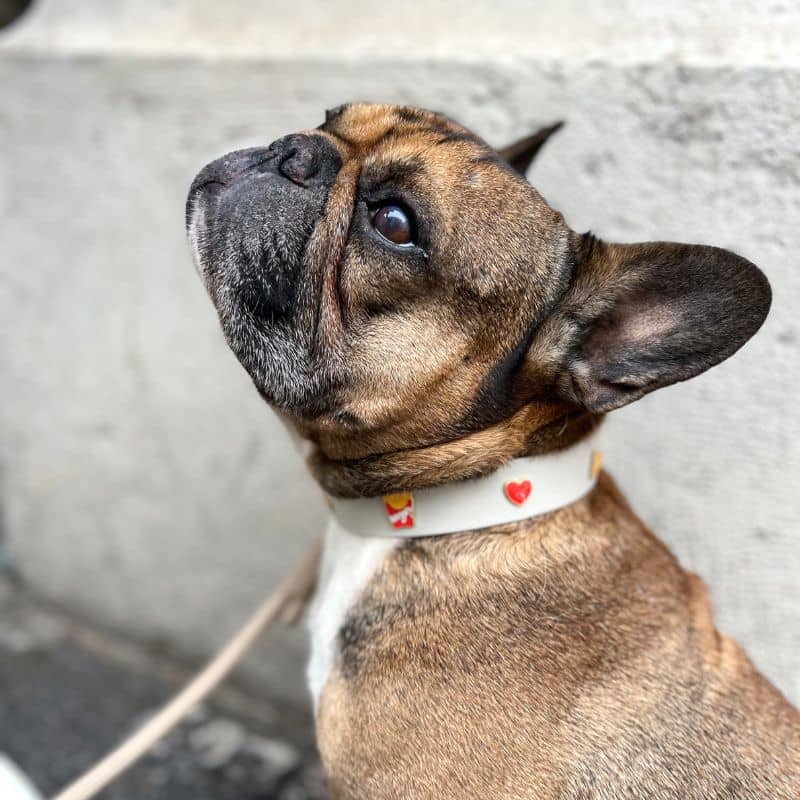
{"x":520,"y":154}
{"x":642,"y":316}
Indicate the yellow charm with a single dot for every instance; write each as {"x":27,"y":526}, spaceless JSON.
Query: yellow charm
{"x":400,"y":509}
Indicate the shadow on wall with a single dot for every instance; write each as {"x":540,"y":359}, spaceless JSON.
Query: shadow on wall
{"x":12,"y":10}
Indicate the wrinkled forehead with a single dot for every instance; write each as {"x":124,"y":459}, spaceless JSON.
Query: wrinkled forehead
{"x":383,"y":137}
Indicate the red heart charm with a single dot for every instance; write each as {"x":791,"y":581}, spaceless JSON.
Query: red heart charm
{"x":517,"y":492}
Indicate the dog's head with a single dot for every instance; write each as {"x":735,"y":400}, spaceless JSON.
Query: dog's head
{"x":390,"y":275}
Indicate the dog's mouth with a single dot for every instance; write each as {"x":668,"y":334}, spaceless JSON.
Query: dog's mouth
{"x":262,"y":243}
{"x":223,"y":172}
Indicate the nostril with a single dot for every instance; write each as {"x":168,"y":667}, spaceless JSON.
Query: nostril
{"x":299,"y":163}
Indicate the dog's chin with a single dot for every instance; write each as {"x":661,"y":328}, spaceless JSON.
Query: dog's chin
{"x":283,"y":374}
{"x":274,"y":350}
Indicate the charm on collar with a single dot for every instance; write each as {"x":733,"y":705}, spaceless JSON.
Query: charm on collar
{"x":400,"y":509}
{"x":517,"y":492}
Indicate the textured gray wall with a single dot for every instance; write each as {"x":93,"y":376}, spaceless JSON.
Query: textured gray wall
{"x":145,"y":484}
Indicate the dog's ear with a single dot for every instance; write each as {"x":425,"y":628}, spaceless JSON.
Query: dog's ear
{"x":520,"y":155}
{"x":642,"y":316}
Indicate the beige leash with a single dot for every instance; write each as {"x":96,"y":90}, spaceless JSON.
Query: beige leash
{"x":286,"y":603}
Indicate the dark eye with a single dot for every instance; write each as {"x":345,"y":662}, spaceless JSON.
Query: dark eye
{"x":394,"y":223}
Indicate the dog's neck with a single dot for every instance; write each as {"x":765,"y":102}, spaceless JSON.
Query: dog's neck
{"x":533,"y":430}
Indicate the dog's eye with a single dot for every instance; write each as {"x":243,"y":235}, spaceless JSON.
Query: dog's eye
{"x":394,"y":223}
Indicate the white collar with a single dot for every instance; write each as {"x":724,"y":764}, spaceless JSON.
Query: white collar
{"x":523,"y":488}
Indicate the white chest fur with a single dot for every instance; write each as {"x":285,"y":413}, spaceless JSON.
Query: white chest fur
{"x":348,"y":562}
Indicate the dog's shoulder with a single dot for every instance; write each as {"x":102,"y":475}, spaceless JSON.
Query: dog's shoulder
{"x":499,"y":647}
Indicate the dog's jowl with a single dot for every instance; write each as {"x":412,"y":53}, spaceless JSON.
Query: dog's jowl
{"x":492,"y":620}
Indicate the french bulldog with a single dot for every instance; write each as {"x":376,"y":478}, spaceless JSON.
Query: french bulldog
{"x":411,"y":306}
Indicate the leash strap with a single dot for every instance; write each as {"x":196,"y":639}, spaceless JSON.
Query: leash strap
{"x":285,"y":604}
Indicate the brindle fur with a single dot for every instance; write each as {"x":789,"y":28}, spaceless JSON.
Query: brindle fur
{"x":564,"y":657}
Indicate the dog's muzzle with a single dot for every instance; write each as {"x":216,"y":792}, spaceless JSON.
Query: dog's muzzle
{"x":249,"y":215}
{"x":307,"y":161}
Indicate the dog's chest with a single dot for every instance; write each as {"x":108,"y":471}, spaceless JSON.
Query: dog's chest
{"x":348,"y":563}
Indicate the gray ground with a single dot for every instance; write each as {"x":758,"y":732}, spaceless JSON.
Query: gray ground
{"x":68,"y":693}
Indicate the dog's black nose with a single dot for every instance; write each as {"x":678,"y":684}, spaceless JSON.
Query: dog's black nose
{"x":298,"y":157}
{"x":306,"y":159}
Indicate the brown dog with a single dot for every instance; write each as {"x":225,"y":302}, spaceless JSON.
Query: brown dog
{"x":410,"y":304}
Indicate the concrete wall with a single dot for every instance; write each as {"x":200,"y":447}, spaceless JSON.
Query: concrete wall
{"x":143,"y":482}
